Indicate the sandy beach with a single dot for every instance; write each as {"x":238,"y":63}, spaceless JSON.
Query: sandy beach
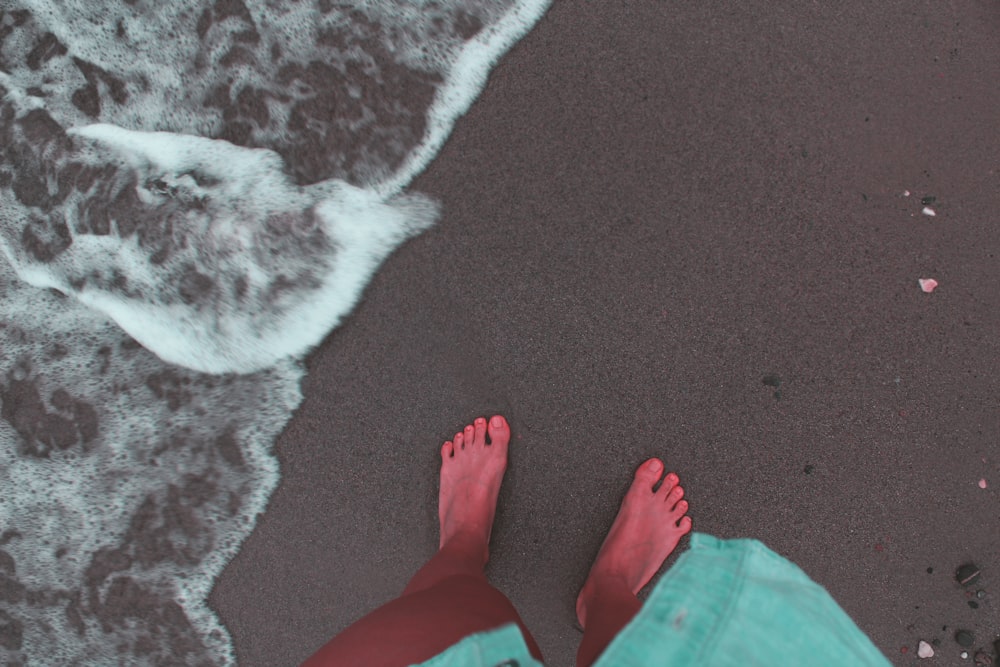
{"x":692,"y":232}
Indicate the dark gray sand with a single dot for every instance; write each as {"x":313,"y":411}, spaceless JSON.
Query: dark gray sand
{"x":653,"y":207}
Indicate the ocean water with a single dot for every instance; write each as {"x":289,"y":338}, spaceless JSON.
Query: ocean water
{"x":192,"y":195}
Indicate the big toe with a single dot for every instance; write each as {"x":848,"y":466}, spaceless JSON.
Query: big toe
{"x":499,"y":431}
{"x":648,"y":474}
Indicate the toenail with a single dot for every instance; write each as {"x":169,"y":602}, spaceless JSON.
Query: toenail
{"x":497,"y":422}
{"x":656,"y":466}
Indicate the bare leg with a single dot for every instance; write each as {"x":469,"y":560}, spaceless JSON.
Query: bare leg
{"x":449,"y":598}
{"x":647,"y":529}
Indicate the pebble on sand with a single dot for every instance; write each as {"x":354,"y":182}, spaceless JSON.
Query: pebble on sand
{"x":924,"y":650}
{"x":965,"y":638}
{"x":982,"y":484}
{"x":967,"y":574}
{"x":928,"y":211}
{"x":927,"y":284}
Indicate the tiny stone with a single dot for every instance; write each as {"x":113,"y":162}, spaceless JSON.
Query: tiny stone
{"x":983,"y":659}
{"x":980,"y":594}
{"x":930,"y":570}
{"x":964,"y":655}
{"x":967,"y":574}
{"x":965,"y":638}
{"x":772,"y":380}
{"x":809,"y":469}
{"x":929,"y":199}
{"x":924,"y":650}
{"x":973,"y":604}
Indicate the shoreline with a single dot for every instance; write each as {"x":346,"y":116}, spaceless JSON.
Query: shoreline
{"x":648,"y":212}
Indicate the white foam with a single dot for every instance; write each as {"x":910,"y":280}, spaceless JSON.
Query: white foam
{"x":228,"y":239}
{"x":133,"y":473}
{"x":66,"y":504}
{"x":464,"y":81}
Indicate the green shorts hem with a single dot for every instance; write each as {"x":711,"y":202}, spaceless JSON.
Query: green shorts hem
{"x":724,"y":603}
{"x":736,"y":603}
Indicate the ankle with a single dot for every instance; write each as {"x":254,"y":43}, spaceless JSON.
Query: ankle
{"x":603,"y":615}
{"x":467,"y":546}
{"x":607,"y":582}
{"x":599,"y":590}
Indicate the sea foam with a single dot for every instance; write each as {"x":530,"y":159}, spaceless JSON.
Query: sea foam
{"x":192,"y":195}
{"x":232,"y":268}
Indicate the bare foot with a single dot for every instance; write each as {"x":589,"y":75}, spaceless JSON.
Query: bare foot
{"x":471,"y":474}
{"x":647,"y":528}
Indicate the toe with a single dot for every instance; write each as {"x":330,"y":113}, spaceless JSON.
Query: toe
{"x":685,"y":525}
{"x":447,"y":450}
{"x":669,"y":482}
{"x":499,"y":431}
{"x":675,"y":494}
{"x":459,"y":441}
{"x":479,"y":432}
{"x":470,"y":436}
{"x":679,"y":510}
{"x":648,"y":474}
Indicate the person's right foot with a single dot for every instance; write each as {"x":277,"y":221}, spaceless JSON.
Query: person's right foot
{"x":647,"y":529}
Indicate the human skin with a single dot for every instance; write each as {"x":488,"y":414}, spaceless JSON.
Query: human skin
{"x":449,"y":598}
{"x":648,"y":527}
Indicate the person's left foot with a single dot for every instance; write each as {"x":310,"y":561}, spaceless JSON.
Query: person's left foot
{"x":471,"y":474}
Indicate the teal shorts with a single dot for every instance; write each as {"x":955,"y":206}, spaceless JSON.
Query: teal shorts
{"x":724,"y":603}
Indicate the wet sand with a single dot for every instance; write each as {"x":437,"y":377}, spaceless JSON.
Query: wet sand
{"x":652,"y":209}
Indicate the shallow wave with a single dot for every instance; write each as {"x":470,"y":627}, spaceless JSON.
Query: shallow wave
{"x":128,"y":484}
{"x":192,"y":194}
